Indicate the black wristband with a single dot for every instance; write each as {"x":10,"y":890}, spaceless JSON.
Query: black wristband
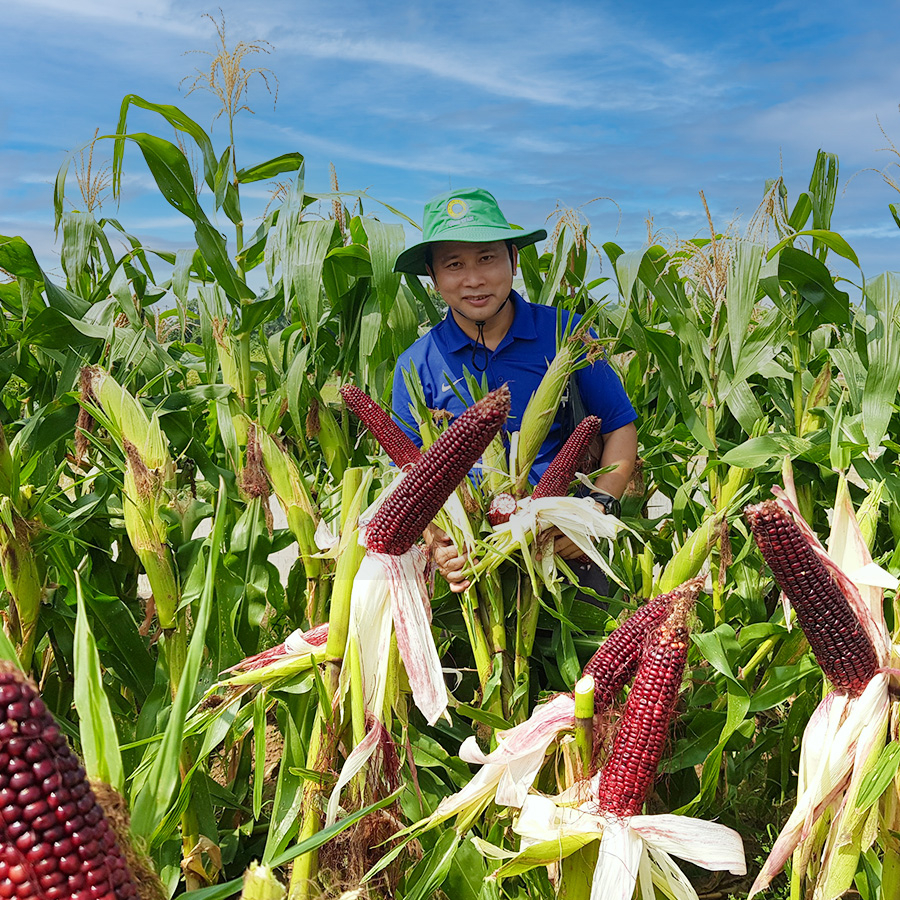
{"x":610,"y":503}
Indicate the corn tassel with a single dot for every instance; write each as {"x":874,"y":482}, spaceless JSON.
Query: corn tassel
{"x":836,"y":636}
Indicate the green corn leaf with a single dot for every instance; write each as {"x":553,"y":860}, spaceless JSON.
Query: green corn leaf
{"x":431,"y":871}
{"x":8,"y":650}
{"x":830,"y":239}
{"x":171,"y":171}
{"x":214,"y":248}
{"x":883,"y":375}
{"x":385,"y":242}
{"x":17,"y":257}
{"x":178,"y":120}
{"x":545,"y":853}
{"x":99,"y":741}
{"x":287,"y":162}
{"x":743,"y":278}
{"x":823,"y":302}
{"x":78,"y":228}
{"x":259,"y":751}
{"x":879,"y":777}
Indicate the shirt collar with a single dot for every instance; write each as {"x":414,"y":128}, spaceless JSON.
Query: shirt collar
{"x":522,"y":327}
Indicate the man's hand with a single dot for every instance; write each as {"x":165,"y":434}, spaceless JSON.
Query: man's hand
{"x":450,"y":562}
{"x":563,"y":546}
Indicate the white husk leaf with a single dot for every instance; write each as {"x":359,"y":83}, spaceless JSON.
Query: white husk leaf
{"x":709,"y":844}
{"x":370,"y":632}
{"x":410,"y":610}
{"x":618,"y":863}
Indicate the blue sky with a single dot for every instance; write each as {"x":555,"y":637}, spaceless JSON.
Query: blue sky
{"x":542,"y":103}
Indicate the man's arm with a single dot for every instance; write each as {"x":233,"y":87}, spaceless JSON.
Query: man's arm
{"x":619,"y":450}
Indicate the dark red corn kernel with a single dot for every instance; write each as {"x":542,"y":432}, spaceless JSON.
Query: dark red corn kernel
{"x":631,"y":767}
{"x":44,"y":770}
{"x":836,"y":636}
{"x":49,"y":827}
{"x":20,"y":774}
{"x":93,"y":816}
{"x":30,"y":729}
{"x":391,"y":438}
{"x":561,"y":472}
{"x":17,"y":746}
{"x":35,"y":751}
{"x":403,"y":516}
{"x":9,"y":693}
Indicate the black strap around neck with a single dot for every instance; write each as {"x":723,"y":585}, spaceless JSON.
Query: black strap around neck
{"x":480,"y":345}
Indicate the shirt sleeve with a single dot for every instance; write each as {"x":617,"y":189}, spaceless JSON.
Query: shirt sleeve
{"x":603,"y":396}
{"x":400,"y":400}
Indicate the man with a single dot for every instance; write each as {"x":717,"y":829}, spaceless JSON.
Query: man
{"x":470,"y":253}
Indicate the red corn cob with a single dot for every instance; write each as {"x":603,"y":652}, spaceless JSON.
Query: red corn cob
{"x":55,"y":842}
{"x":560,"y":473}
{"x":629,"y":772}
{"x":501,"y":509}
{"x":402,"y":518}
{"x":837,"y":638}
{"x":391,"y":438}
{"x":616,"y":661}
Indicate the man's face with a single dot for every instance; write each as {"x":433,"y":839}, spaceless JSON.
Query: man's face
{"x":473,"y":279}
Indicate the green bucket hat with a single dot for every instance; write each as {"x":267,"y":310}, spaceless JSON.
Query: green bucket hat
{"x":471,"y":215}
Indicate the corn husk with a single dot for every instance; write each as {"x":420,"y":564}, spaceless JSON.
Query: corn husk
{"x":260,"y":883}
{"x":148,"y":485}
{"x":541,"y":412}
{"x":21,"y":575}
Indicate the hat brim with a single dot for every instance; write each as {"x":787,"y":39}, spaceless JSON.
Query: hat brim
{"x":412,"y":260}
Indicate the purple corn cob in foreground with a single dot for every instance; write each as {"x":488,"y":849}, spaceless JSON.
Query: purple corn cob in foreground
{"x":629,"y":771}
{"x":615,"y":663}
{"x":402,"y":518}
{"x":55,"y":841}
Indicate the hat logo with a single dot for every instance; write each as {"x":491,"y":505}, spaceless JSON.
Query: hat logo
{"x":457,"y":208}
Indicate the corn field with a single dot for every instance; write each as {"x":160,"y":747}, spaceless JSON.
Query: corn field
{"x":174,"y":424}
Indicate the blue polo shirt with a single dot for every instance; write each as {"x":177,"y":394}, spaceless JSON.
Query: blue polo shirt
{"x":443,"y":356}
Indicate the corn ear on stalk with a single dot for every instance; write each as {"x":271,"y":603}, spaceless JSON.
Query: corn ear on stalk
{"x":21,"y":576}
{"x":149,"y":481}
{"x":617,"y":659}
{"x":260,"y":883}
{"x":631,"y":767}
{"x":541,"y":412}
{"x":55,"y":841}
{"x":390,"y":437}
{"x":561,"y":472}
{"x":836,"y":636}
